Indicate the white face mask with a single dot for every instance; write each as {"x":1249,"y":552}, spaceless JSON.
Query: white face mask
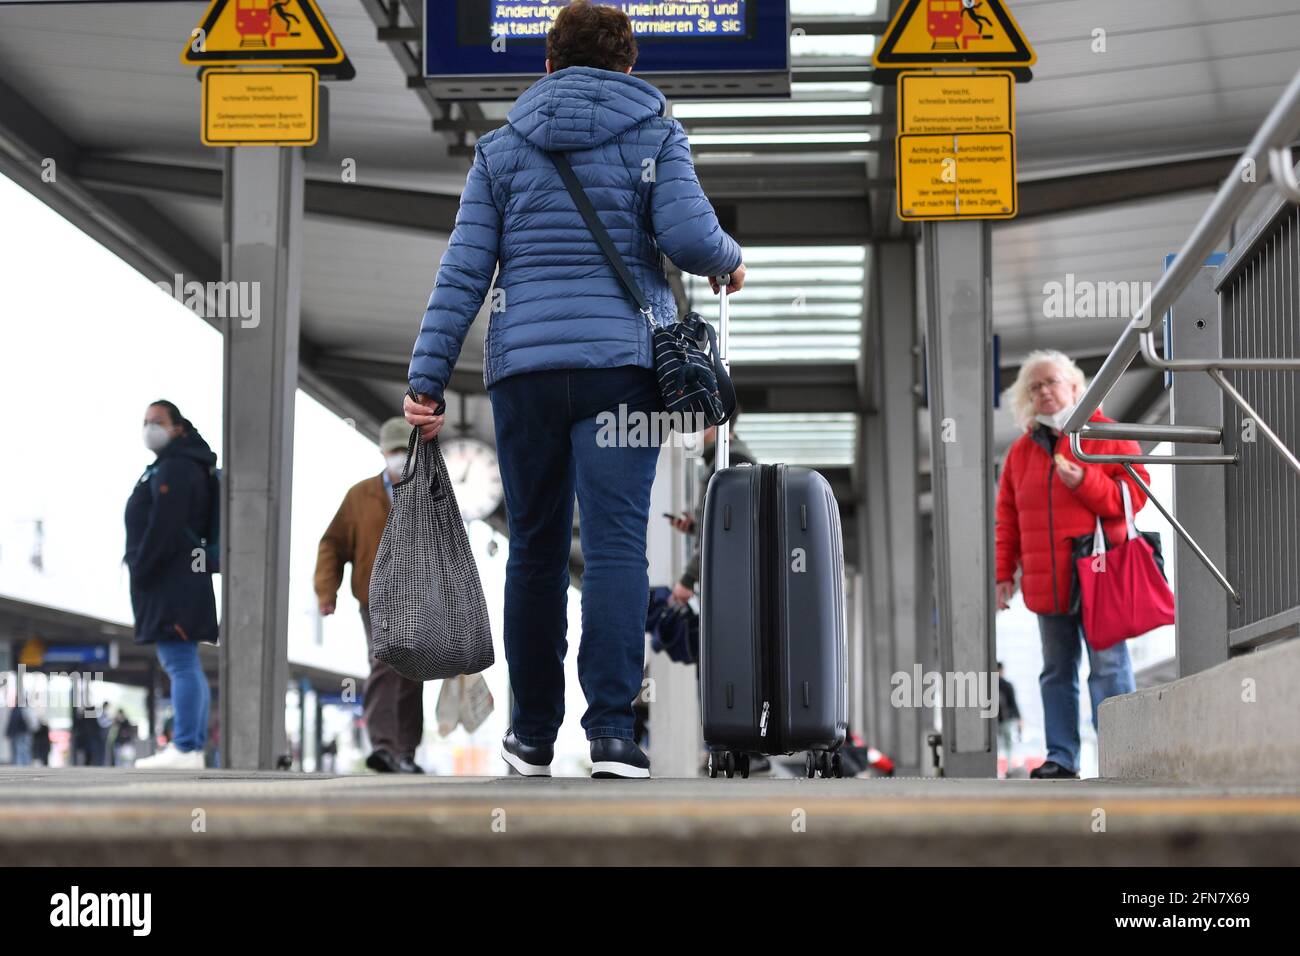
{"x":395,"y":463}
{"x":1056,"y":421}
{"x":156,"y":437}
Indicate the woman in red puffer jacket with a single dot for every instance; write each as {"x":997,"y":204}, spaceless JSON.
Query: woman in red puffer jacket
{"x":1046,"y":498}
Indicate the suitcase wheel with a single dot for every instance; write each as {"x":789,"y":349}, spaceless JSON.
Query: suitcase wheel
{"x":728,"y":762}
{"x":825,"y":763}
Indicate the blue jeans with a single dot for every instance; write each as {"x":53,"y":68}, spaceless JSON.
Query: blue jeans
{"x":190,"y":695}
{"x":551,"y":444}
{"x":1110,"y":673}
{"x":22,"y":750}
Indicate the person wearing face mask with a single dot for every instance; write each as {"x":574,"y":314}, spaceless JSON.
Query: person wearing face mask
{"x":1047,"y":497}
{"x":167,"y":517}
{"x":394,"y":705}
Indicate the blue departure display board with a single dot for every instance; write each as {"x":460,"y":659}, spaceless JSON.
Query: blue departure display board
{"x":507,"y":38}
{"x":650,"y":20}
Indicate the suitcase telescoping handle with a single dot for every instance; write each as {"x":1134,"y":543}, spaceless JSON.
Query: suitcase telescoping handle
{"x":722,"y":454}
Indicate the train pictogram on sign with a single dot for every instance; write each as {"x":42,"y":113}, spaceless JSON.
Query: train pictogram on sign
{"x":937,"y":33}
{"x":268,"y":32}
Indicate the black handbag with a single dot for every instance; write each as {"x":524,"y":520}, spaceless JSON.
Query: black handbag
{"x":693,"y":383}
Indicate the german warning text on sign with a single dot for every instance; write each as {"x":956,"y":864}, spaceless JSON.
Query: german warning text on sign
{"x":263,"y":31}
{"x":956,"y":177}
{"x":947,"y":32}
{"x":938,"y":103}
{"x":650,"y":18}
{"x":260,"y":107}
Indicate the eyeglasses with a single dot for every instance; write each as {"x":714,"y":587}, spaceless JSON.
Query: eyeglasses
{"x":1036,"y":387}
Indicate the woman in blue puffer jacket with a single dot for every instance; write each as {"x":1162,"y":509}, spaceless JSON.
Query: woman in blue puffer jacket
{"x":564,"y":343}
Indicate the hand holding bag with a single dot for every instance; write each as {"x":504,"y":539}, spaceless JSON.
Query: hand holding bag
{"x":1124,"y":593}
{"x":428,"y":616}
{"x":694,"y":385}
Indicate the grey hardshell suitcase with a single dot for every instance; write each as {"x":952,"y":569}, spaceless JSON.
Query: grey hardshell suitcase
{"x":773,"y":640}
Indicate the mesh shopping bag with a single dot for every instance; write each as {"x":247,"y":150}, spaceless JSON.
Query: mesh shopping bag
{"x":428,"y":616}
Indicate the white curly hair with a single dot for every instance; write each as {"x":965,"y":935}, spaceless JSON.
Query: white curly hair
{"x":1018,"y":397}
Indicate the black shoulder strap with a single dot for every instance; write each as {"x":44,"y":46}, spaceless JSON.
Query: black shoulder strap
{"x":580,"y":200}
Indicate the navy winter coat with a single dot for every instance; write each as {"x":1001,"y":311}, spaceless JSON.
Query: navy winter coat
{"x":166,"y":515}
{"x":559,"y":303}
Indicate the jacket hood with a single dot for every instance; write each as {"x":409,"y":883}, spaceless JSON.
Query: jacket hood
{"x":581,"y":107}
{"x":192,"y":446}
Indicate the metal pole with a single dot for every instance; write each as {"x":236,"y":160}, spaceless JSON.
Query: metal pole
{"x":961,"y":374}
{"x":1262,"y":425}
{"x":896,"y":271}
{"x":673,"y":691}
{"x":722,"y":453}
{"x":1191,"y":542}
{"x":262,"y":256}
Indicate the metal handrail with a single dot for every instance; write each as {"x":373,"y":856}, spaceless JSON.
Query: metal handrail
{"x":1153,"y":358}
{"x":1254,"y":416}
{"x":1278,"y":131}
{"x":1271,"y":144}
{"x":1120,"y":431}
{"x":1191,"y":542}
{"x":1079,"y":453}
{"x":1283,"y":173}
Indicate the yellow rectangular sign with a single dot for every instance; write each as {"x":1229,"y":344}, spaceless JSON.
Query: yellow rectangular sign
{"x":956,"y":103}
{"x":260,"y":107}
{"x":945,"y":177}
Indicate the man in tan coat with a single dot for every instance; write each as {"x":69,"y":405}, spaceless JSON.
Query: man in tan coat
{"x":394,"y":706}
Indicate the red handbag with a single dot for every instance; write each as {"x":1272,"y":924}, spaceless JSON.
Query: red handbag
{"x":1124,"y":593}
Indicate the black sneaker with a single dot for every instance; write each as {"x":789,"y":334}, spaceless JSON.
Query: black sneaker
{"x":381,"y":761}
{"x":526,"y":760}
{"x":1051,"y":770}
{"x":614,"y":757}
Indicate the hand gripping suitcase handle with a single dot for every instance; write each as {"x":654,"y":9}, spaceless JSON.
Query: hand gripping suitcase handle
{"x":722,"y":454}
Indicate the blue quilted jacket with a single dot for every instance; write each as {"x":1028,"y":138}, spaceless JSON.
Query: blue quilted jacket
{"x":557,"y":302}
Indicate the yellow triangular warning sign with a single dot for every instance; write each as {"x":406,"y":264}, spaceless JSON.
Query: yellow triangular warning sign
{"x":263,"y":31}
{"x":936,"y":33}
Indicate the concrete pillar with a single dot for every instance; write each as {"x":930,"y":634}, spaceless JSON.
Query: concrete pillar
{"x":855,"y":588}
{"x":263,"y":202}
{"x":865,"y":664}
{"x":896,"y":298}
{"x":961,"y":382}
{"x":1200,"y":495}
{"x":675,"y":734}
{"x":880,"y":651}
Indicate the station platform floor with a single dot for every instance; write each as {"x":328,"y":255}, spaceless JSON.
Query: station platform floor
{"x":92,"y":817}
